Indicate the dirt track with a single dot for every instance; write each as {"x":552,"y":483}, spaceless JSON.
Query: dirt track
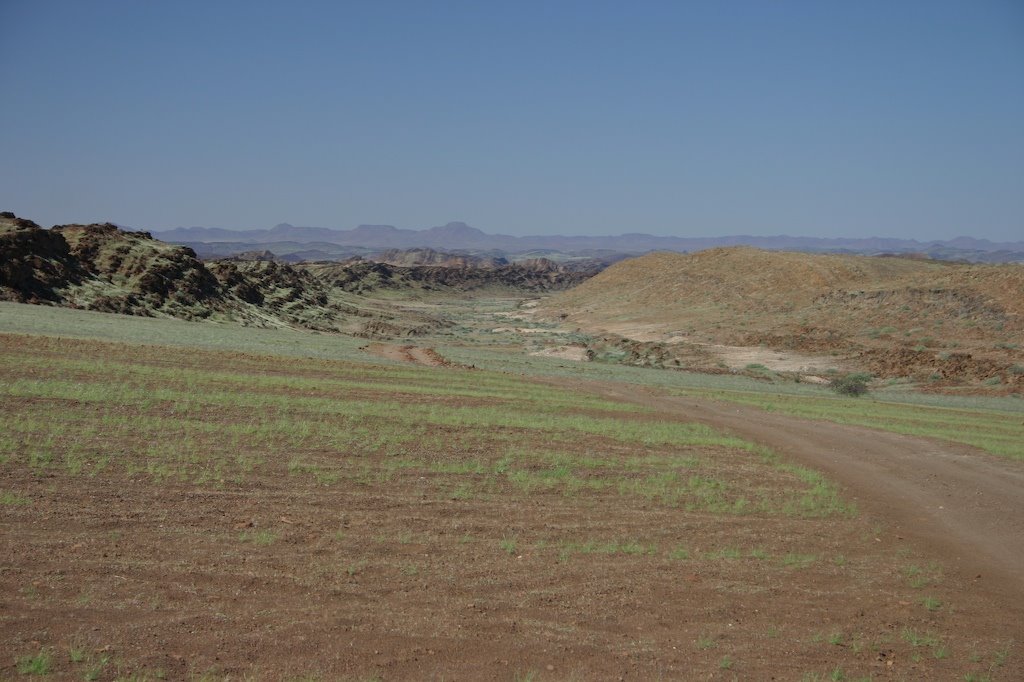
{"x":958,"y":503}
{"x":426,"y":357}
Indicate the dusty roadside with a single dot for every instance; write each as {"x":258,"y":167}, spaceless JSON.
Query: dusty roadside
{"x":956,"y":502}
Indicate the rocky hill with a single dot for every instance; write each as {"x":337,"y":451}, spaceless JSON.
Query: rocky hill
{"x":446,"y":259}
{"x":101,"y":267}
{"x":892,"y":316}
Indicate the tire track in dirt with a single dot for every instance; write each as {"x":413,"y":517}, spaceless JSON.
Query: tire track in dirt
{"x":959,"y":503}
{"x":426,"y":357}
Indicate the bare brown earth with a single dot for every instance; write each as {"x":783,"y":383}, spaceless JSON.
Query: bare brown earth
{"x":945,"y":323}
{"x":426,"y":357}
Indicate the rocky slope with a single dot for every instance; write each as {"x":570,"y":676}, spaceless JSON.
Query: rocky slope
{"x":100,"y":267}
{"x":365,"y":276}
{"x":417,"y":257}
{"x":35,"y":264}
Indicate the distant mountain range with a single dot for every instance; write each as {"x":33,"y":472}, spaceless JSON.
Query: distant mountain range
{"x":316,"y":242}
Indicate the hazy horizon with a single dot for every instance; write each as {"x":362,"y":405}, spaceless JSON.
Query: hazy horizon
{"x":532,"y":235}
{"x":577,"y":118}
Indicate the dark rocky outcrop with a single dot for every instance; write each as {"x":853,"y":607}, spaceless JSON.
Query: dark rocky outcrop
{"x":536,"y":275}
{"x":101,"y":267}
{"x":35,"y":264}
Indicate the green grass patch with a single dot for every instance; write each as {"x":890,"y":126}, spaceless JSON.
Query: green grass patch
{"x":796,"y":560}
{"x":37,"y":664}
{"x":994,"y":431}
{"x":12,"y":499}
{"x":262,"y":538}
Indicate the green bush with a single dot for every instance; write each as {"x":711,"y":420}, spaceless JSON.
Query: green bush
{"x":851,"y":384}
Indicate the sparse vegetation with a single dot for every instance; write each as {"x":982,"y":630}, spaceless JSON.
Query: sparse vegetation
{"x":916,"y":639}
{"x":920,"y":577}
{"x":994,"y":430}
{"x":35,"y":664}
{"x":258,"y":537}
{"x":9,"y":498}
{"x":706,"y":642}
{"x":798,"y":560}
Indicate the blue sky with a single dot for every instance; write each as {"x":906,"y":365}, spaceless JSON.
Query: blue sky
{"x":822,"y":118}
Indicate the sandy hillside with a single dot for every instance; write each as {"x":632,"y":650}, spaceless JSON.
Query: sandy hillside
{"x":894,"y":316}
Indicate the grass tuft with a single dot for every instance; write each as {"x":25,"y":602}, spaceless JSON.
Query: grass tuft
{"x":38,"y":664}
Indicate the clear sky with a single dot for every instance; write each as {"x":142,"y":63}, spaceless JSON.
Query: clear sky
{"x":820,"y":118}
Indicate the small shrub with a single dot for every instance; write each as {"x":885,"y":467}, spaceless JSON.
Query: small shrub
{"x":851,"y":384}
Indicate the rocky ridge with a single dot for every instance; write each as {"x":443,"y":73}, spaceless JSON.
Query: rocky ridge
{"x":101,"y":267}
{"x":366,"y":276}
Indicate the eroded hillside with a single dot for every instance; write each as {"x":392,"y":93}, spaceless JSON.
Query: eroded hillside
{"x":936,"y":321}
{"x":363,"y":276}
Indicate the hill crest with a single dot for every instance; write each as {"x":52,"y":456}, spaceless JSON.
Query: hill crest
{"x":865,"y":309}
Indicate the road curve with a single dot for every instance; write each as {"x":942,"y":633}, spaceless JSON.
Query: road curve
{"x":962,"y":504}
